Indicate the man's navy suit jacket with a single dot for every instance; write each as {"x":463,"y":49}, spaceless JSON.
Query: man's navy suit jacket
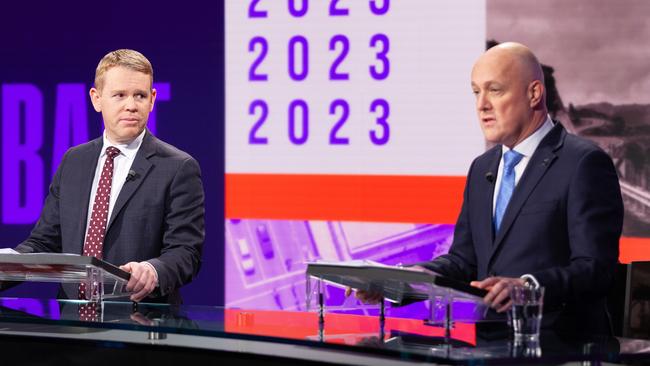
{"x":562,"y":226}
{"x":158,"y":215}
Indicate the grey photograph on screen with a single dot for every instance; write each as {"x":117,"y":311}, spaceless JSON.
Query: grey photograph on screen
{"x":596,"y":57}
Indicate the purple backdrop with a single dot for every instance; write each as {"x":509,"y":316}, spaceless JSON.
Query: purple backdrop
{"x":47,"y":61}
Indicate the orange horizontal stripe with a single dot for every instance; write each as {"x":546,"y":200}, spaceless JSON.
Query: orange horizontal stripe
{"x":379,"y":198}
{"x":634,"y":249}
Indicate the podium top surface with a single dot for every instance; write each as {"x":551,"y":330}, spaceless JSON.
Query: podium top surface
{"x":55,"y":267}
{"x":397,"y":283}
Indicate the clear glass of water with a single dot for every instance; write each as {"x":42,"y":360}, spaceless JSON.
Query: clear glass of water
{"x":526,"y":312}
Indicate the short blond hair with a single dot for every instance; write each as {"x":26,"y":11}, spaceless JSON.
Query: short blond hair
{"x":130,"y":59}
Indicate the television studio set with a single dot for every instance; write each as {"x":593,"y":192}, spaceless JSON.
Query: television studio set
{"x":325,"y":182}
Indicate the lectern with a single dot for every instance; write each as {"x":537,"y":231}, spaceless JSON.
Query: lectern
{"x":103,"y":280}
{"x":398,"y":285}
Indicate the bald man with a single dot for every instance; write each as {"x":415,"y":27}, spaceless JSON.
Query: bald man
{"x":541,"y":207}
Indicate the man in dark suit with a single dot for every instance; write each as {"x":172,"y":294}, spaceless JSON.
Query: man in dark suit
{"x":542,"y":207}
{"x":126,"y":197}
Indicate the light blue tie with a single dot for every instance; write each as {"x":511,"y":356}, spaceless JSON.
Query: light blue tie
{"x":510,"y":159}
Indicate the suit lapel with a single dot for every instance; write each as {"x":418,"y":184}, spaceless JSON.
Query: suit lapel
{"x":87,"y":166}
{"x":487,"y":228}
{"x":141,"y":167}
{"x":539,"y":163}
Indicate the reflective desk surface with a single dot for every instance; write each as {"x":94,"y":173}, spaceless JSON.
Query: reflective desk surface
{"x":343,"y":337}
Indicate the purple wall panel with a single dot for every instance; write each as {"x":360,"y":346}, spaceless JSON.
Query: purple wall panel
{"x":266,"y":259}
{"x":47,"y":64}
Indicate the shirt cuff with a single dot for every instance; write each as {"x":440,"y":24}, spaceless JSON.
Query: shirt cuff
{"x":530,"y":280}
{"x":154,"y":270}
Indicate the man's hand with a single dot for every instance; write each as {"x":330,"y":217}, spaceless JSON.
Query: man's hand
{"x":367,"y":297}
{"x":373,"y":297}
{"x":143,"y":279}
{"x":498,"y":296}
{"x":141,"y":319}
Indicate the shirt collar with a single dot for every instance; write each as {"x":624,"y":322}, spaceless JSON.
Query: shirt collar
{"x":129,"y":150}
{"x":530,"y":143}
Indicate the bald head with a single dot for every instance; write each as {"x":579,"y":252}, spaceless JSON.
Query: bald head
{"x":508,"y":82}
{"x":518,"y":58}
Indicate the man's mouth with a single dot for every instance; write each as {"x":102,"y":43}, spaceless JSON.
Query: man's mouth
{"x":488,"y":120}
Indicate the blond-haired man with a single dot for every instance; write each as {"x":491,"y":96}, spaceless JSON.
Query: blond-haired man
{"x":126,"y":197}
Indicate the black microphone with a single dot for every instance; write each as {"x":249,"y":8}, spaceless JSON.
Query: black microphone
{"x":131,"y":175}
{"x":489,"y":176}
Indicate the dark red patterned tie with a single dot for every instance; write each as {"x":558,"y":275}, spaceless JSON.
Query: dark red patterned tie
{"x":99,"y":217}
{"x":89,"y":312}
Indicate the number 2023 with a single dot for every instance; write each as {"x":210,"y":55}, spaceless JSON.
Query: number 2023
{"x":298,"y":122}
{"x":298,"y":57}
{"x":299,"y":8}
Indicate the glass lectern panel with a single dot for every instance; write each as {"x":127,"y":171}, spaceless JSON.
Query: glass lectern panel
{"x":399,"y":286}
{"x":103,"y":279}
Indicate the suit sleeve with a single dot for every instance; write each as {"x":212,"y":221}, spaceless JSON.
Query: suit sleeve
{"x":46,"y":234}
{"x":460,"y":261}
{"x":184,"y":229}
{"x":594,"y":224}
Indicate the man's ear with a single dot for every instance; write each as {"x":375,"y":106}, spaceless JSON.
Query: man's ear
{"x":535,"y":93}
{"x":94,"y":98}
{"x":153,"y":98}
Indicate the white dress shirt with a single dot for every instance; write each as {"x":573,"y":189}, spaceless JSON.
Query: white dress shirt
{"x":525,"y":148}
{"x":121,"y":166}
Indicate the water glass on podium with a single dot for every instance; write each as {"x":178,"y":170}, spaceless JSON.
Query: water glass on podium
{"x":526,"y":312}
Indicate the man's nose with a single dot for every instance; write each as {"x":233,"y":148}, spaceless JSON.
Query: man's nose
{"x":482,"y":102}
{"x":130,"y":104}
